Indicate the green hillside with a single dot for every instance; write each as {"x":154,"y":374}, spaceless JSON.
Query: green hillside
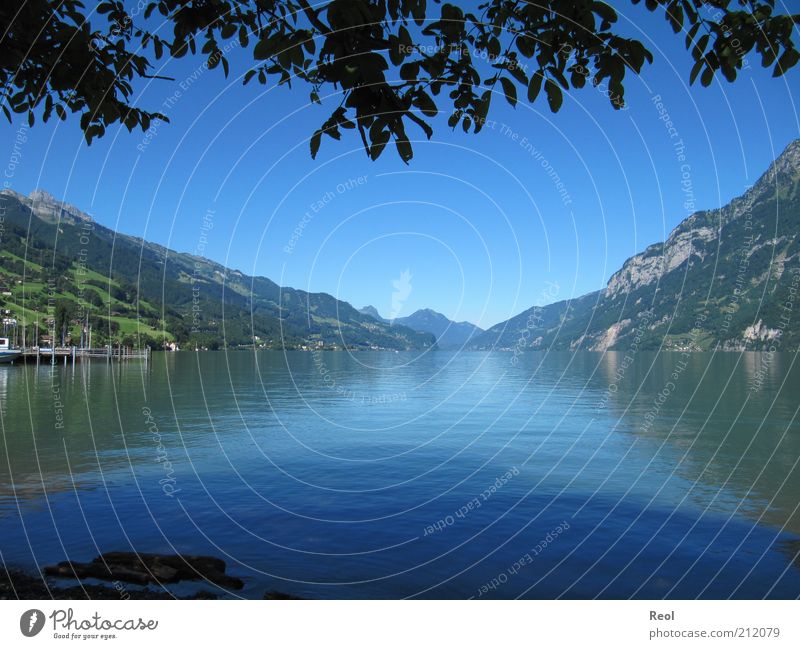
{"x":74,"y":275}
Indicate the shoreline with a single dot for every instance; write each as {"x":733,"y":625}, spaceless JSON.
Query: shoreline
{"x":21,"y":585}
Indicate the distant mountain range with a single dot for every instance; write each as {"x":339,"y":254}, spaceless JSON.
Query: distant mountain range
{"x":726,"y":278}
{"x":57,"y":264}
{"x":449,"y":334}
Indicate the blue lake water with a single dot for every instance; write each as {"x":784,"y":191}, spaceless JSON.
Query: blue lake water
{"x":441,"y":475}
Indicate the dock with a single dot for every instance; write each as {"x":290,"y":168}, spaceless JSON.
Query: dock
{"x":76,"y":354}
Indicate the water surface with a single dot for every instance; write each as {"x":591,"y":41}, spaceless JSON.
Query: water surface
{"x":398,"y":475}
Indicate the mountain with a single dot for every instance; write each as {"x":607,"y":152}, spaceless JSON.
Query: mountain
{"x":725,"y":278}
{"x":449,"y":334}
{"x":57,"y":263}
{"x":372,"y":312}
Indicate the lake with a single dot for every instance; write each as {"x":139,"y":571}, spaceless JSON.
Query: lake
{"x":433,"y":475}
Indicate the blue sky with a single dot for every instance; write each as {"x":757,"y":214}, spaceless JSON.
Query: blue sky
{"x":477,"y":221}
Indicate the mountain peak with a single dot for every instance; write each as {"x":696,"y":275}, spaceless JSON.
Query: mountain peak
{"x":47,"y":207}
{"x":372,"y":312}
{"x":787,"y":163}
{"x":428,"y":312}
{"x":42,"y":196}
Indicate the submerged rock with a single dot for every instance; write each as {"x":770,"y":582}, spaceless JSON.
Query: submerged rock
{"x":142,"y":569}
{"x":16,"y":584}
{"x":276,"y":594}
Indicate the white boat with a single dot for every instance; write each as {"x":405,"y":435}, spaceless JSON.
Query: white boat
{"x":7,"y":353}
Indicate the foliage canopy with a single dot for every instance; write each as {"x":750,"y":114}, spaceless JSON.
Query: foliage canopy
{"x":395,"y":63}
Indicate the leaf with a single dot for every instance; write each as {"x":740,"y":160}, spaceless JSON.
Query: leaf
{"x":728,"y":71}
{"x":700,"y":47}
{"x":674,"y":15}
{"x":526,"y":46}
{"x":418,"y":12}
{"x":314,"y":143}
{"x":606,"y":13}
{"x":788,"y":59}
{"x":309,"y":43}
{"x":178,"y":48}
{"x":516,"y":71}
{"x":425,"y":127}
{"x":558,"y":75}
{"x":409,"y":71}
{"x":578,"y":77}
{"x":405,"y":37}
{"x":482,"y":110}
{"x":379,"y":141}
{"x":92,"y":131}
{"x":263,"y":49}
{"x":535,"y":85}
{"x":554,"y":96}
{"x":404,"y":149}
{"x":691,"y":34}
{"x":510,"y":90}
{"x":423,"y":101}
{"x":395,"y":55}
{"x":707,"y":77}
{"x":695,"y":71}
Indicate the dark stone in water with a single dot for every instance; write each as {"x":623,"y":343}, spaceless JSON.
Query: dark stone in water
{"x":15,"y":584}
{"x":276,"y":594}
{"x":791,"y":548}
{"x":74,"y":570}
{"x":135,"y":568}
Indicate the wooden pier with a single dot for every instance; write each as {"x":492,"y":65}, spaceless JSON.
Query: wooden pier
{"x":75,"y":354}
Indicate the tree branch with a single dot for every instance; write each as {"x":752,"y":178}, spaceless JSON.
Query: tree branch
{"x":313,"y":17}
{"x":157,"y":76}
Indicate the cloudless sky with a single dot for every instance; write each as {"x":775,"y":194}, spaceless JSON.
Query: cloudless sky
{"x":477,"y":221}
